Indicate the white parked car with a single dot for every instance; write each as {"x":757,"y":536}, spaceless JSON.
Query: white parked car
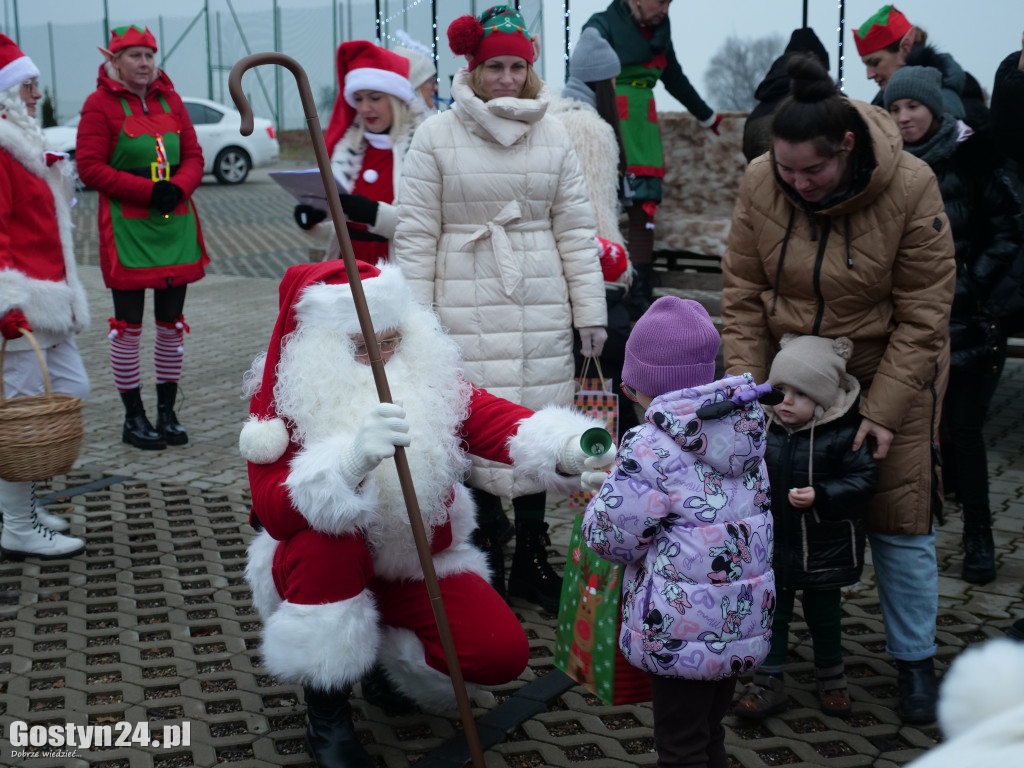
{"x":227,"y":154}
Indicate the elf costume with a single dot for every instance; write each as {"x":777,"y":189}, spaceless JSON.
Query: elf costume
{"x":141,"y":154}
{"x":647,"y":56}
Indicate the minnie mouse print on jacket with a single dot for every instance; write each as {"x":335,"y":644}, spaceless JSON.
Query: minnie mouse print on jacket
{"x":686,"y":512}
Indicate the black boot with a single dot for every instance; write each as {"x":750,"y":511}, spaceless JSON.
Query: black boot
{"x":379,"y":690}
{"x":919,"y":691}
{"x":979,"y":555}
{"x":489,"y":542}
{"x":166,"y":420}
{"x":641,"y":290}
{"x":137,"y":429}
{"x":531,"y":576}
{"x":331,"y":738}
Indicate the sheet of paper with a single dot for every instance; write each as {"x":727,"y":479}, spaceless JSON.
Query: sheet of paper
{"x":306,"y":186}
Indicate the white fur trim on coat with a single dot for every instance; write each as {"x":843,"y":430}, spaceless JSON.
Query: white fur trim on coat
{"x":263,"y":441}
{"x":983,"y":682}
{"x":319,"y":491}
{"x":324,"y":646}
{"x":259,"y":574}
{"x":55,"y":307}
{"x":396,"y":557}
{"x":980,"y":709}
{"x":537,"y":446}
{"x":402,"y":656}
{"x":331,"y":306}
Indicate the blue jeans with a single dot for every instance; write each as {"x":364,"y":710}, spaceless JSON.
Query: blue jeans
{"x":907,"y":575}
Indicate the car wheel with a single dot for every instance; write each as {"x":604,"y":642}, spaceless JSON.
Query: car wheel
{"x":232,"y":165}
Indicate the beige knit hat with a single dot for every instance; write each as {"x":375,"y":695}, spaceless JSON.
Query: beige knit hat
{"x":813,"y":365}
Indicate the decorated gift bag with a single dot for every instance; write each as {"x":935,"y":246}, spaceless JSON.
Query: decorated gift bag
{"x":587,"y":637}
{"x":595,"y":397}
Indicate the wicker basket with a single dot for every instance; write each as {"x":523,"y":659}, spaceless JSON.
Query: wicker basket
{"x":40,"y":435}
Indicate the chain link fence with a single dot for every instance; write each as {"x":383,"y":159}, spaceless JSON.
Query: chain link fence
{"x":198,"y":52}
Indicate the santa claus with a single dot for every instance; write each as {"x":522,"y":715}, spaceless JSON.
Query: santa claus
{"x":334,"y":572}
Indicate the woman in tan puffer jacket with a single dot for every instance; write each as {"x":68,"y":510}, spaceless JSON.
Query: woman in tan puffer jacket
{"x":496,"y":231}
{"x":838,"y":232}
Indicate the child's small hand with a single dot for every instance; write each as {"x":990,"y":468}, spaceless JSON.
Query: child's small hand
{"x":801,"y":498}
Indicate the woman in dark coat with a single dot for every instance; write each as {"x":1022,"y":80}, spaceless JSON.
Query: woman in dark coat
{"x":983,"y":204}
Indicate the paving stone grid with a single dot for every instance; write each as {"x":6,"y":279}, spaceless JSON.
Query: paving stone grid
{"x":154,"y":623}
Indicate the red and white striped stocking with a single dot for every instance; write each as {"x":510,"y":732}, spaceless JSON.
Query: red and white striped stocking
{"x":125,"y":339}
{"x":169,"y":349}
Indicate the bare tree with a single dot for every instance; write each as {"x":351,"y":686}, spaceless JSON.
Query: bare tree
{"x":739,"y":66}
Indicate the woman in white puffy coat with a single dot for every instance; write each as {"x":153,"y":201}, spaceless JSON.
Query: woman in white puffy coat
{"x":495,"y":229}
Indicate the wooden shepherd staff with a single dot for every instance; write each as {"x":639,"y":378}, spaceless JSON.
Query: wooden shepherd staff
{"x":376,"y":365}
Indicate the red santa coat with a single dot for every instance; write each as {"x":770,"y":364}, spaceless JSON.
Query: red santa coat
{"x":37,"y":260}
{"x":335,"y":574}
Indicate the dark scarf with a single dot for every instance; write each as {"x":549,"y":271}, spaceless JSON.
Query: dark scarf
{"x":940,"y":146}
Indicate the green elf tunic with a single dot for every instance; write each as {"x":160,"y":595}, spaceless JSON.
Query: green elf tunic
{"x":647,"y":55}
{"x":125,"y":145}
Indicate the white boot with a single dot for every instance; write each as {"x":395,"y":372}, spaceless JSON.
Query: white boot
{"x":53,"y":522}
{"x":24,"y":534}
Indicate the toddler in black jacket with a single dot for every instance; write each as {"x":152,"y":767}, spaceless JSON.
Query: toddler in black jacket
{"x":820,"y":490}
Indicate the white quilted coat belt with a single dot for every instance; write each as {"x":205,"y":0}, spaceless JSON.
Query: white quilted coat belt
{"x":507,"y":220}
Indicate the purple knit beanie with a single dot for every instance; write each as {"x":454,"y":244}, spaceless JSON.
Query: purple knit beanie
{"x":672,"y":347}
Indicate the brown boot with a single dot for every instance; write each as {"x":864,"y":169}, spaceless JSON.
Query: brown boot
{"x":832,"y":691}
{"x":764,"y":697}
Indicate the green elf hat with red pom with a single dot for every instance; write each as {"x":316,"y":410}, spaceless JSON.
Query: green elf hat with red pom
{"x":129,"y":35}
{"x":886,"y":27}
{"x":498,"y":31}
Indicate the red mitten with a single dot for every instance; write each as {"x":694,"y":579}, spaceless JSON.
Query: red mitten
{"x":12,"y":323}
{"x":714,"y":126}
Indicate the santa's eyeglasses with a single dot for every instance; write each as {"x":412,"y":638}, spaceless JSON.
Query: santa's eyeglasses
{"x":386,"y":346}
{"x":628,"y":391}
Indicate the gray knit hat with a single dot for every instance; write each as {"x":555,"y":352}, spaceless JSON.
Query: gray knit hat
{"x":593,"y":59}
{"x":923,"y":84}
{"x":813,"y":365}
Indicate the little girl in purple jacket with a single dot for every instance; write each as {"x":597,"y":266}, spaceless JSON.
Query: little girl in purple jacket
{"x":687,"y":511}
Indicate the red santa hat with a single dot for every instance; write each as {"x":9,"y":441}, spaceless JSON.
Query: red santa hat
{"x":317,"y":294}
{"x":15,"y":66}
{"x":363,"y":66}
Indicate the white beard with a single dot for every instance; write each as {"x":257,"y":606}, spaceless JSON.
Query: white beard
{"x":322,"y":391}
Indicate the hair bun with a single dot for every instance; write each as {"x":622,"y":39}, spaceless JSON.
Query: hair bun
{"x":843,"y":347}
{"x":810,"y":80}
{"x":465,"y":35}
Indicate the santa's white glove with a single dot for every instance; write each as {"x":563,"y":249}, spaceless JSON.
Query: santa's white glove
{"x":592,"y":469}
{"x":596,"y":469}
{"x":382,"y":429}
{"x":593,"y":338}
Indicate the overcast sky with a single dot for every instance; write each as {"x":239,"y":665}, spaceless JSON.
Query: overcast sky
{"x":978,"y":34}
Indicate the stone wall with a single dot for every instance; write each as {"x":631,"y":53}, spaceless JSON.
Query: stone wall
{"x":702,"y":180}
